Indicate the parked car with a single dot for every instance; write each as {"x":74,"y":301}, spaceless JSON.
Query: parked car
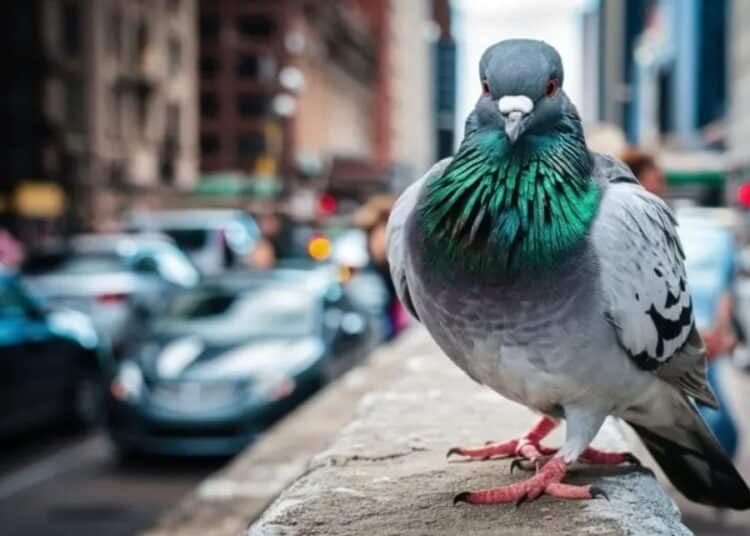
{"x":51,"y":363}
{"x":116,"y":279}
{"x":215,"y":239}
{"x":231,"y":357}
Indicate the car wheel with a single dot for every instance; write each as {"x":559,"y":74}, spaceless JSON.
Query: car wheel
{"x":85,"y":400}
{"x":126,"y":455}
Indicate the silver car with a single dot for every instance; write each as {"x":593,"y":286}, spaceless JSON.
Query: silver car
{"x":215,"y":239}
{"x":116,"y":279}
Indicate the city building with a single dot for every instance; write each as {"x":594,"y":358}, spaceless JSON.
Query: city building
{"x":295,"y":90}
{"x":445,"y":80}
{"x":100,"y":113}
{"x":143,"y":114}
{"x":658,"y":69}
{"x":738,"y":116}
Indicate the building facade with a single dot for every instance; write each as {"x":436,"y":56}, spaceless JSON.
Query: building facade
{"x":738,"y":117}
{"x":658,"y":69}
{"x":295,"y":89}
{"x":101,"y":110}
{"x":143,"y":113}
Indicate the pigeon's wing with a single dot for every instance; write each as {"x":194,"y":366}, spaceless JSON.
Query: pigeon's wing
{"x":396,"y":241}
{"x":644,"y":282}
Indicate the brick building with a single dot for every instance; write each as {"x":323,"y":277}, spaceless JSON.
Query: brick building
{"x":341,"y":89}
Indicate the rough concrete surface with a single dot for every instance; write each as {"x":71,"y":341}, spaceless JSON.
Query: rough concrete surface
{"x":386,"y":472}
{"x":227,"y":502}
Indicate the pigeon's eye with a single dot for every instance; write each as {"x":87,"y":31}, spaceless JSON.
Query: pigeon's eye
{"x":551,"y":88}
{"x":485,"y":87}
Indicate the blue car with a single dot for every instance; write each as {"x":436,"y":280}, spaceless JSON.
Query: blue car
{"x":229,"y":358}
{"x":51,"y":363}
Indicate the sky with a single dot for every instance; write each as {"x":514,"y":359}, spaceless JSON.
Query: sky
{"x":480,"y":23}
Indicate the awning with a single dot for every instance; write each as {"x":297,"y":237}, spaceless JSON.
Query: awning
{"x":231,"y":184}
{"x":38,"y":200}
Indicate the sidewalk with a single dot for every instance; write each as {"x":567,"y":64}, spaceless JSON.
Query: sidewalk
{"x":385,"y":472}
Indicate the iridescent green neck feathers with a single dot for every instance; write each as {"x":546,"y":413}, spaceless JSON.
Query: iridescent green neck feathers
{"x":505,"y":209}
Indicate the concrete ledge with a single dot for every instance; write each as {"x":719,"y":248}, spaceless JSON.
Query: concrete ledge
{"x":385,"y":472}
{"x":226,"y":503}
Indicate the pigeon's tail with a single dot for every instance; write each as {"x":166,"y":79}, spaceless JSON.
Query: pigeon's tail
{"x":693,"y":460}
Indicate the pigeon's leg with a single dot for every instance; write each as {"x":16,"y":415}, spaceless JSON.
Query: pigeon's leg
{"x":528,"y":447}
{"x":581,"y":429}
{"x":599,"y":457}
{"x":548,"y":480}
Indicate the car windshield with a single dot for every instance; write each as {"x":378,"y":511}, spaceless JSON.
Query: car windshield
{"x":167,"y":262}
{"x":224,"y":317}
{"x":74,"y":264}
{"x":188,"y":239}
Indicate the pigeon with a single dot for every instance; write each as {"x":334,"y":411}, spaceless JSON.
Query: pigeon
{"x":548,"y":274}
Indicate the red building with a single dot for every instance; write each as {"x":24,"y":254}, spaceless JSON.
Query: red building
{"x":297,"y":88}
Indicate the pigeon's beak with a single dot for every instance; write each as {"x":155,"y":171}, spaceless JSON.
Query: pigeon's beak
{"x":515,"y":110}
{"x":514,"y":125}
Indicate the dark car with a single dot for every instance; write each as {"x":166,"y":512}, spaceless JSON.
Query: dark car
{"x":231,"y":357}
{"x":51,"y":363}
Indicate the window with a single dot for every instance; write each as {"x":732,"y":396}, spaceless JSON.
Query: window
{"x":74,"y":103}
{"x":247,"y":66}
{"x":209,"y":144}
{"x":209,"y":105}
{"x":71,"y":28}
{"x":256,"y":26}
{"x":209,"y":25}
{"x":174,"y":52}
{"x":115,"y":33}
{"x":209,"y":67}
{"x":173,"y":121}
{"x":143,"y":106}
{"x":250,"y":144}
{"x":142,"y":41}
{"x":115,"y":111}
{"x":252,"y":105}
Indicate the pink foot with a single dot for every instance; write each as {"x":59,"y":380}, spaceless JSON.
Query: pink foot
{"x":598,"y":457}
{"x":548,"y":481}
{"x":528,"y":447}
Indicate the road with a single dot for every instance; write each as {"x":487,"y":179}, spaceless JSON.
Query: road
{"x":73,"y":484}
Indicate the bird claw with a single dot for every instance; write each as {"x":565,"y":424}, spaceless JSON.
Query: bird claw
{"x":461,"y":497}
{"x":632,"y":459}
{"x":522,"y":499}
{"x":452,"y":451}
{"x":596,"y":491}
{"x":525,"y":464}
{"x":515,"y":463}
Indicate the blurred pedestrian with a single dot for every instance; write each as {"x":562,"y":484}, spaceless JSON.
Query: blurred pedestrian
{"x":646,"y":170}
{"x":711,"y":252}
{"x":266,"y":253}
{"x":11,"y":250}
{"x":372,"y":218}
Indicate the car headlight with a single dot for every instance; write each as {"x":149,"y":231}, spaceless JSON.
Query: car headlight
{"x":273,"y":387}
{"x":128,"y":383}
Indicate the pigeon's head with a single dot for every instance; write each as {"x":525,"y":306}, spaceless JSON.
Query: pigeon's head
{"x":521,"y":88}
